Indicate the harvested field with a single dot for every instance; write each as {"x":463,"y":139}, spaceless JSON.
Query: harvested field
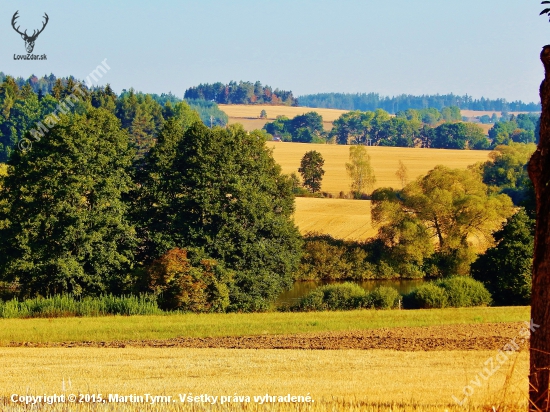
{"x":476,"y":113}
{"x":340,"y":218}
{"x":384,"y":160}
{"x":485,"y":127}
{"x":332,"y":378}
{"x":253,"y":124}
{"x":249,"y":124}
{"x":398,"y":369}
{"x":253,"y":111}
{"x":489,"y":336}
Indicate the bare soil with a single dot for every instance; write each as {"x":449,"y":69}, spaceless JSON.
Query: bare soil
{"x":489,"y":336}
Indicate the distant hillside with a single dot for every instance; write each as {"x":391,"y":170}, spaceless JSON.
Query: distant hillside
{"x":241,"y":93}
{"x":373,"y":101}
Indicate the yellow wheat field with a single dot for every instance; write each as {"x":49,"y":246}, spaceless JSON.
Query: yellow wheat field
{"x":384,"y":160}
{"x":350,"y":219}
{"x":253,"y":111}
{"x":340,"y":218}
{"x":253,"y":124}
{"x":476,"y":113}
{"x":331,"y":378}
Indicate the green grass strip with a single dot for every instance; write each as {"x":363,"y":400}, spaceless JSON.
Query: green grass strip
{"x":117,"y":328}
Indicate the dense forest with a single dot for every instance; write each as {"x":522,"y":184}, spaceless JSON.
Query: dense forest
{"x":373,"y":101}
{"x":241,"y":93}
{"x":25,"y":103}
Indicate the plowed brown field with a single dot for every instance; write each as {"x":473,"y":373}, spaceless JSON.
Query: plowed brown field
{"x":489,"y":336}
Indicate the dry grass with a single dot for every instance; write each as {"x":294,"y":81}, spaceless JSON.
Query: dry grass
{"x":253,"y":111}
{"x":340,"y":218}
{"x":336,"y":380}
{"x":384,"y":160}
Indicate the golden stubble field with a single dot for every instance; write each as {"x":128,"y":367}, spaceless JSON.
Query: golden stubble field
{"x":249,"y":115}
{"x":253,"y":111}
{"x":384,"y":161}
{"x":340,"y":218}
{"x":426,"y":380}
{"x":351,"y":219}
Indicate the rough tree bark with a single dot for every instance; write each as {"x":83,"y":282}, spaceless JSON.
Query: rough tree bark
{"x":539,"y":172}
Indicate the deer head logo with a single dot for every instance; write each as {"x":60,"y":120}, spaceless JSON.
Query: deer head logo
{"x":29,"y":40}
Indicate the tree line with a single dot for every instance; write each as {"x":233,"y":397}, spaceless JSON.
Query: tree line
{"x":241,"y":93}
{"x":143,"y":115}
{"x":202,"y":219}
{"x":373,"y":101}
{"x":429,"y":128}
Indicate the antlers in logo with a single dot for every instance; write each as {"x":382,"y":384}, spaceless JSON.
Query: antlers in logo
{"x":29,"y":40}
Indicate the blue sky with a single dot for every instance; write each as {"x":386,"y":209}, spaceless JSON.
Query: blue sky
{"x":484,"y":48}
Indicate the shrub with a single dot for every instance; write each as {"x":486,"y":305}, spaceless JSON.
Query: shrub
{"x":463,"y":291}
{"x":313,"y":301}
{"x":456,"y":292}
{"x":323,"y":260}
{"x":180,"y":285}
{"x":385,"y":297}
{"x":427,"y":296}
{"x":348,"y":296}
{"x":385,"y":271}
{"x":344,"y":296}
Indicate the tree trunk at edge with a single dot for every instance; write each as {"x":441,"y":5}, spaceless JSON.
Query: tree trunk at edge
{"x":539,"y":172}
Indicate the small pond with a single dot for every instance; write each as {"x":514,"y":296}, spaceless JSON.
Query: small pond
{"x":302,"y":288}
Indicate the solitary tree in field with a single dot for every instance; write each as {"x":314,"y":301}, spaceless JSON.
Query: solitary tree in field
{"x":311,"y":169}
{"x":360,"y":171}
{"x":263,"y":114}
{"x":402,"y":174}
{"x":539,"y":172}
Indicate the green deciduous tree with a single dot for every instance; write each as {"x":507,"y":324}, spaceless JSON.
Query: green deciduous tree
{"x":64,"y":226}
{"x":457,"y":136}
{"x":360,"y":171}
{"x":507,"y":170}
{"x":453,"y":206}
{"x":220,"y":190}
{"x":311,"y":169}
{"x":506,"y":268}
